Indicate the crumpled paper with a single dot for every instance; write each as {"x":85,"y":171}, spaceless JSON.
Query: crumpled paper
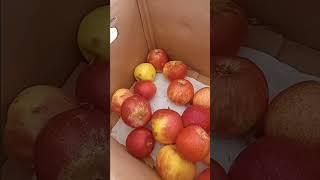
{"x":120,"y":131}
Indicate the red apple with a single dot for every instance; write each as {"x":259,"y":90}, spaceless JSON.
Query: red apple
{"x":72,"y":146}
{"x":136,"y":111}
{"x":204,"y":175}
{"x":145,"y":88}
{"x":240,"y":96}
{"x":166,"y":124}
{"x":92,"y":86}
{"x":202,"y":98}
{"x":197,"y":115}
{"x":118,"y":97}
{"x":193,"y":143}
{"x":173,"y":70}
{"x":140,"y":142}
{"x":180,"y":91}
{"x":158,"y":58}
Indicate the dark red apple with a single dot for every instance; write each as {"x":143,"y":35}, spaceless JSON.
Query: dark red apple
{"x":277,"y":158}
{"x":193,"y":143}
{"x":136,"y":111}
{"x":140,"y":142}
{"x":158,"y":58}
{"x":180,"y":91}
{"x":240,"y":96}
{"x":230,"y":28}
{"x":173,"y":70}
{"x":92,"y":86}
{"x":197,"y":115}
{"x":146,"y":88}
{"x":73,"y":146}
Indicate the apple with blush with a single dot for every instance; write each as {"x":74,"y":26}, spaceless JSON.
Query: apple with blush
{"x":173,"y":70}
{"x":145,"y":88}
{"x":158,"y":58}
{"x":180,"y":91}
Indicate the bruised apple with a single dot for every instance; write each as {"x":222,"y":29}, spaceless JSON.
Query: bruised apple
{"x":118,"y":97}
{"x":204,"y":175}
{"x":158,"y":58}
{"x":73,"y":146}
{"x":173,"y":70}
{"x":197,"y":115}
{"x":145,"y":88}
{"x":202,"y":98}
{"x":180,"y":91}
{"x":136,"y":111}
{"x":171,"y":166}
{"x":240,"y":96}
{"x":140,"y":142}
{"x":193,"y":143}
{"x":166,"y":124}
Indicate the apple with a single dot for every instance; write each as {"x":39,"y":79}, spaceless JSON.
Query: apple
{"x":202,"y":98}
{"x":171,"y":166}
{"x":166,"y":124}
{"x":27,"y":115}
{"x":140,"y":142}
{"x":180,"y":91}
{"x":197,"y":115}
{"x":92,"y":86}
{"x":136,"y":111}
{"x":207,"y":159}
{"x":158,"y":58}
{"x":73,"y":146}
{"x":173,"y":70}
{"x":118,"y":97}
{"x":240,"y":96}
{"x":145,"y":88}
{"x":193,"y":143}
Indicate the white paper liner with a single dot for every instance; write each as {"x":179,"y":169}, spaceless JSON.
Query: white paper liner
{"x":120,"y":131}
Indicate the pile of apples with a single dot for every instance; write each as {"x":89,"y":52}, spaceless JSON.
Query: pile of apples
{"x":185,"y":137}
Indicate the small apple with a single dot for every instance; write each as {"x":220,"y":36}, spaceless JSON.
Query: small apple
{"x":140,"y":142}
{"x":202,"y":98}
{"x":180,"y":91}
{"x":118,"y":97}
{"x":193,"y":143}
{"x":136,"y":111}
{"x":171,"y":166}
{"x":158,"y":58}
{"x":198,"y":116}
{"x":173,"y":70}
{"x":166,"y":124}
{"x":146,"y":88}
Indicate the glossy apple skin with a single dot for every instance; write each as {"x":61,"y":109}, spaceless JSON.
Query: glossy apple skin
{"x":146,"y":88}
{"x":136,"y":111}
{"x":202,"y":98}
{"x":166,"y":125}
{"x":71,"y":143}
{"x":118,"y":97}
{"x":158,"y":58}
{"x":180,"y":91}
{"x":193,"y":143}
{"x":197,"y":115}
{"x":140,"y":142}
{"x":173,"y":70}
{"x":171,"y":166}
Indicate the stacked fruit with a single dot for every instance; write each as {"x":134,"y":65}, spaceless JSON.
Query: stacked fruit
{"x":185,"y":138}
{"x":287,"y":130}
{"x":62,"y":137}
